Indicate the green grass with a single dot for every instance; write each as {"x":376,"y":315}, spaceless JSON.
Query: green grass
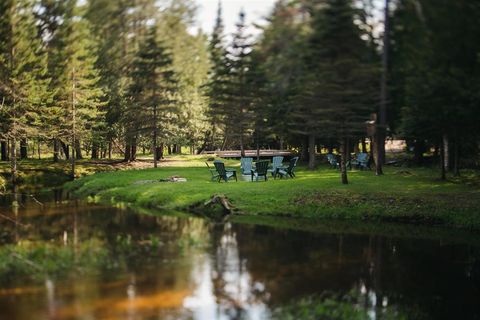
{"x":401,"y":195}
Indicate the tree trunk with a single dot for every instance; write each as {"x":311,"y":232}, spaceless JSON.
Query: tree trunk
{"x":110,"y":149}
{"x":133,"y":152}
{"x":379,"y":150}
{"x":128,"y":150}
{"x":39,"y":150}
{"x":443,"y":175}
{"x":159,"y":152}
{"x":23,"y":149}
{"x":169,"y":149}
{"x":382,"y":121}
{"x":446,"y":153}
{"x":311,"y":152}
{"x":13,"y":160}
{"x":78,"y":150}
{"x":66,"y":150}
{"x":155,"y":148}
{"x":55,"y":150}
{"x":418,"y":148}
{"x":304,"y":150}
{"x":344,"y":160}
{"x":94,"y":151}
{"x":242,"y":148}
{"x":456,"y":167}
{"x":3,"y":151}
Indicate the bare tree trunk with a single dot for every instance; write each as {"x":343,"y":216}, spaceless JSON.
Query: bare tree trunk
{"x":443,"y":175}
{"x":154,"y":149}
{"x":128,"y":150}
{"x":74,"y":128}
{"x":55,"y":150}
{"x":456,"y":167}
{"x":446,"y":153}
{"x":94,"y":150}
{"x":23,"y":149}
{"x":39,"y":151}
{"x":3,"y":150}
{"x":13,"y":160}
{"x":78,"y":150}
{"x":242,"y":148}
{"x":133,"y":152}
{"x":110,"y":149}
{"x":382,"y":121}
{"x":311,"y":152}
{"x":66,"y":150}
{"x":344,"y":160}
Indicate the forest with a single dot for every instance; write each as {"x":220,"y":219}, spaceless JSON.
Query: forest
{"x":105,"y":79}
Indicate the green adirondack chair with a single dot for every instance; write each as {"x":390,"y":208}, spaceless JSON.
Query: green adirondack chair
{"x":223,"y":173}
{"x":261,"y":170}
{"x":332,"y":159}
{"x":213,"y":172}
{"x":285,"y":172}
{"x":276,"y":163}
{"x":361,"y":161}
{"x":246,"y":165}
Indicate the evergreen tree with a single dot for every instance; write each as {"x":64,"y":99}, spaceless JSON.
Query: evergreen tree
{"x":237,"y":112}
{"x":79,"y":96}
{"x":217,"y":78}
{"x":23,"y":79}
{"x":340,"y":89}
{"x":152,"y":91}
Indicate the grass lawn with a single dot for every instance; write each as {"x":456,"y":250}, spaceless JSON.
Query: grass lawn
{"x":412,"y":195}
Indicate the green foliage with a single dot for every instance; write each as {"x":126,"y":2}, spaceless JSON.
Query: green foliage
{"x":332,"y":308}
{"x":39,"y":259}
{"x":23,"y":67}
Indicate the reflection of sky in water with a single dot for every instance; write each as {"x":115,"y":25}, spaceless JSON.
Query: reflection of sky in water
{"x":235,"y":298}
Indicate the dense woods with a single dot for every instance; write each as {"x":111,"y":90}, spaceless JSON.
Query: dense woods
{"x":111,"y":79}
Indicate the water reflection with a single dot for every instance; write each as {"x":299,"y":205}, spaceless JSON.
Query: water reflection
{"x":101,"y":262}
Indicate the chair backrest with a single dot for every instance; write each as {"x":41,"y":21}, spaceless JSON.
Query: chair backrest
{"x":277,"y":161}
{"x":331,"y":158}
{"x":220,"y":166}
{"x":262,"y":167}
{"x":292,"y":164}
{"x":362,"y":157}
{"x":246,"y":164}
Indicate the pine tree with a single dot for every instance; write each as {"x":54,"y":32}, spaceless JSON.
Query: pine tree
{"x":340,"y":90}
{"x":79,"y":97}
{"x":23,"y":80}
{"x":237,"y":112}
{"x":217,"y":78}
{"x":153,"y":88}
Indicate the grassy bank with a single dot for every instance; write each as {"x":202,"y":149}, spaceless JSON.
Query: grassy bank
{"x":401,"y":195}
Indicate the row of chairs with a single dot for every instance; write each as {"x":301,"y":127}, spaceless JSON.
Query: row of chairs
{"x":254,"y":170}
{"x":360,"y":161}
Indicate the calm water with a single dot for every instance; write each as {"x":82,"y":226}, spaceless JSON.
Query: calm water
{"x":123,"y":265}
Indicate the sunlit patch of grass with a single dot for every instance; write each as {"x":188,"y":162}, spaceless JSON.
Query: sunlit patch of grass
{"x":412,"y":195}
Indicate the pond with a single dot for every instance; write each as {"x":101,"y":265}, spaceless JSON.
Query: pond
{"x":65,"y":259}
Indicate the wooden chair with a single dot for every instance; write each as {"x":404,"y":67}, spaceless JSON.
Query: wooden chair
{"x":213,"y":172}
{"x":288,"y":171}
{"x":223,"y":173}
{"x":261,"y":170}
{"x":246,"y":165}
{"x":332,"y":159}
{"x":276,"y":163}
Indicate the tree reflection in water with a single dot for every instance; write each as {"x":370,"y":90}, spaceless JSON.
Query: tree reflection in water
{"x":102,"y":262}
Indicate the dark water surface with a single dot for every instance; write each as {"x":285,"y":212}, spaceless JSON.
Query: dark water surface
{"x":112,"y":263}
